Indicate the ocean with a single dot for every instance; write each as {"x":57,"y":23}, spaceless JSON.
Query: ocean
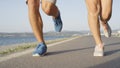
{"x":11,"y":40}
{"x":7,"y":39}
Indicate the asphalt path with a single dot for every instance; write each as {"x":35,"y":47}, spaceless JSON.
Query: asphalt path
{"x":75,"y":53}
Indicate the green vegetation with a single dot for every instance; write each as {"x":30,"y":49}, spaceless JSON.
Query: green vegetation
{"x":118,"y":35}
{"x":17,"y":48}
{"x":28,"y":46}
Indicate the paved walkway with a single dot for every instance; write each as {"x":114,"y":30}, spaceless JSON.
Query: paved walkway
{"x":77,"y":53}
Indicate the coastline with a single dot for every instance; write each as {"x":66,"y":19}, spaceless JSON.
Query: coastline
{"x":23,"y":52}
{"x":7,"y":50}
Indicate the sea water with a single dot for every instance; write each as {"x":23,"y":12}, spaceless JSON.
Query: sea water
{"x":11,"y":40}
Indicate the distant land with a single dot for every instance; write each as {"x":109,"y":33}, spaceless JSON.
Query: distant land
{"x":50,"y":33}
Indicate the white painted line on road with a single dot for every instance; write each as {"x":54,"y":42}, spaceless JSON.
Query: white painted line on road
{"x":5,"y":58}
{"x":61,"y":42}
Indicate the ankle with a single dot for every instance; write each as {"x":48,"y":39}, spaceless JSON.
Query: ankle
{"x":101,"y":45}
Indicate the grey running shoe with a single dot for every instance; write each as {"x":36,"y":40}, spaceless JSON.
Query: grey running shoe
{"x":108,"y":32}
{"x":98,"y":51}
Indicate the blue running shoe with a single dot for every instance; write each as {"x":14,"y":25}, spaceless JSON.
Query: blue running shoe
{"x":40,"y":50}
{"x":58,"y":23}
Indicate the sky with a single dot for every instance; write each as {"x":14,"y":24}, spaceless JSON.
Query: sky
{"x":14,"y":16}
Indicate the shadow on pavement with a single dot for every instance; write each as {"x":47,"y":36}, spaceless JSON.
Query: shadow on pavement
{"x":115,"y":63}
{"x":66,"y":51}
{"x":112,"y":51}
{"x":116,"y":43}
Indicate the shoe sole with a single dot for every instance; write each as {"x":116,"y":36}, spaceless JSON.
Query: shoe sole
{"x":98,"y":55}
{"x":109,"y":31}
{"x":37,"y":55}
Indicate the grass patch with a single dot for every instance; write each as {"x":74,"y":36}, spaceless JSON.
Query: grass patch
{"x":29,"y":45}
{"x":17,"y":48}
